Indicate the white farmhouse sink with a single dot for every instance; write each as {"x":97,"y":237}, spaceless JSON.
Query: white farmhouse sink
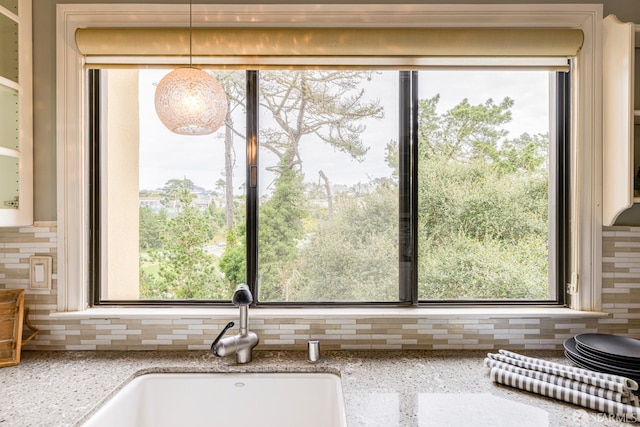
{"x":226,"y":399}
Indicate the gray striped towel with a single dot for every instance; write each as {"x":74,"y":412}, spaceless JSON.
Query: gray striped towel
{"x":610,"y":382}
{"x":612,"y":394}
{"x":627,"y":383}
{"x":626,"y":398}
{"x":625,"y":412}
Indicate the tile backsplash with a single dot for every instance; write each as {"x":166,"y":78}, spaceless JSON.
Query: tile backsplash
{"x":620,"y":297}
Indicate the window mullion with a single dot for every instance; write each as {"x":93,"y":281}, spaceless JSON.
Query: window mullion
{"x":252,"y":181}
{"x":406,"y":291}
{"x":414,"y":186}
{"x":562,"y":230}
{"x":94,"y":92}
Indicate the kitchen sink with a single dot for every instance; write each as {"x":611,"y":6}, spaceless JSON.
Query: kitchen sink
{"x":225,"y":399}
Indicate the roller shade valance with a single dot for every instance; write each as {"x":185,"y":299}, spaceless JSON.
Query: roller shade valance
{"x":256,"y":44}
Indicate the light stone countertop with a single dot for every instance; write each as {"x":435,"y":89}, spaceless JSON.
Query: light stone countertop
{"x":381,"y":388}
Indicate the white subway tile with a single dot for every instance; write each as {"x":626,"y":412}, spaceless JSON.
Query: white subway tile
{"x":156,"y":342}
{"x":81,"y":347}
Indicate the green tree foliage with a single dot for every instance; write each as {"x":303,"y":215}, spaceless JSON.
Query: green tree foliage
{"x":329,"y":104}
{"x":177,"y":265}
{"x":148,"y":193}
{"x":217,"y":219}
{"x":185,"y":270}
{"x":483,"y":218}
{"x":467,"y":268}
{"x":354,"y":256}
{"x":233,"y":263}
{"x":464,"y":132}
{"x":151,"y":226}
{"x":177,"y":193}
{"x":483,"y":206}
{"x":281,"y":228}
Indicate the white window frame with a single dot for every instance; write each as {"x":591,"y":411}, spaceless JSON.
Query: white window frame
{"x":72,"y":174}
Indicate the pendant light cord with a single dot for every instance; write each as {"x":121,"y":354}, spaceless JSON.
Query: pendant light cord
{"x":190,"y":37}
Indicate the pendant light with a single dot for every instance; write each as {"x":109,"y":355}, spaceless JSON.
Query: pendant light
{"x":190,"y":101}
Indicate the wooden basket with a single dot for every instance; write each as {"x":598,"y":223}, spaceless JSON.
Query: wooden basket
{"x":13,"y":315}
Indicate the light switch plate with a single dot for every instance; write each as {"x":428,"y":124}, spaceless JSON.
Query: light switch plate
{"x":40,"y":272}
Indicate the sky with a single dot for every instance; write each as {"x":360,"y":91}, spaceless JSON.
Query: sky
{"x":165,"y":155}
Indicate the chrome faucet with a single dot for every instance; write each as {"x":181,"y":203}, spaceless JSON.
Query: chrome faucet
{"x":243,"y":343}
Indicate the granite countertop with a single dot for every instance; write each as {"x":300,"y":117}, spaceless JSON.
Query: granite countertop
{"x":381,"y":388}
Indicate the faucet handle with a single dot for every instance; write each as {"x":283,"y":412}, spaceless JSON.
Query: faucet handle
{"x":226,"y":328}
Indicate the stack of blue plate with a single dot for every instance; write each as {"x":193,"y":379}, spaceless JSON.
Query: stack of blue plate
{"x":611,"y":354}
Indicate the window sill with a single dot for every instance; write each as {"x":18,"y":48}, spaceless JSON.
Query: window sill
{"x":311,"y":313}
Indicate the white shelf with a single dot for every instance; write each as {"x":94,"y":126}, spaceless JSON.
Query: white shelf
{"x":23,"y":215}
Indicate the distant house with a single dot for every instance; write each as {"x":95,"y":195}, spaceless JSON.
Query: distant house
{"x":151,"y":202}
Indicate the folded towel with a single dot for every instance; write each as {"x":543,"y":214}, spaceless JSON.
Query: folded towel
{"x":625,"y":412}
{"x":625,"y":397}
{"x":628,"y":383}
{"x":615,"y":383}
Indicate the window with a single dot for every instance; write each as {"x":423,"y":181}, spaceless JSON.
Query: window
{"x":328,"y":211}
{"x":491,"y":179}
{"x":333,"y":181}
{"x":73,"y":195}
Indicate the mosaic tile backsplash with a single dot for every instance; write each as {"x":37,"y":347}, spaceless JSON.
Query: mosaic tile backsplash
{"x":620,"y":297}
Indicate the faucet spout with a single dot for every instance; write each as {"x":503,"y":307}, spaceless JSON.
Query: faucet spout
{"x":244,"y":320}
{"x":243,"y":343}
{"x":242,"y":296}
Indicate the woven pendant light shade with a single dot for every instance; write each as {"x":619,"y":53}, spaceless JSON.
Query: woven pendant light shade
{"x":190,"y":101}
